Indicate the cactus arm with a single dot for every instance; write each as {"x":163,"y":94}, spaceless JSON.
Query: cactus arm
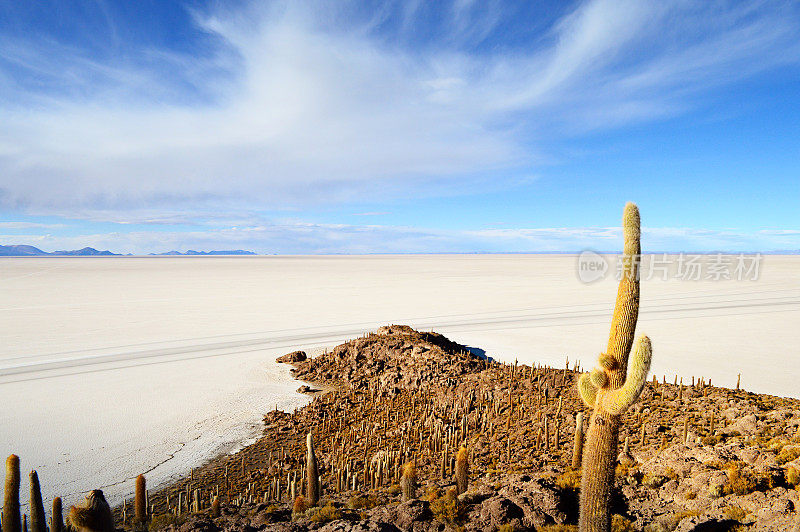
{"x":607,"y":362}
{"x":587,"y":390}
{"x":617,"y":401}
{"x":599,"y":378}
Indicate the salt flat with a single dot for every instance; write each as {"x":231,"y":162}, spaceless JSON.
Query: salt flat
{"x":110,"y":367}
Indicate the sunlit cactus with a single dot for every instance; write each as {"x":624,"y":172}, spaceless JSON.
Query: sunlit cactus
{"x":299,"y":506}
{"x":312,"y":473}
{"x":613,"y":387}
{"x":577,"y":448}
{"x":57,"y":519}
{"x":38,"y":520}
{"x":408,"y":482}
{"x":462,"y":471}
{"x":215,"y":508}
{"x":140,"y":504}
{"x":93,"y":516}
{"x":11,"y":517}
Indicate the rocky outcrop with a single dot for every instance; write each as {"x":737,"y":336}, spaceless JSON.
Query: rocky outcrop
{"x":292,"y":358}
{"x":396,"y":357}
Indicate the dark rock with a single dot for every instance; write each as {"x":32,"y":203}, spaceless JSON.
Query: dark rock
{"x":704,"y":524}
{"x":291,"y":358}
{"x":501,"y":511}
{"x":539,"y":501}
{"x":412,"y":511}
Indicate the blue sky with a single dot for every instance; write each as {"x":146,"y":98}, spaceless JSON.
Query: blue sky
{"x":392,"y":127}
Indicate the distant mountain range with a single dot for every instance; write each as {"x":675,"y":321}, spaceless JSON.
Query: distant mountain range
{"x":30,"y":251}
{"x":193,"y":252}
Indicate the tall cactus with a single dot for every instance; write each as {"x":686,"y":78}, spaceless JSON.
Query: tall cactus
{"x":613,"y":388}
{"x":11,"y":517}
{"x":38,"y":520}
{"x":312,"y":473}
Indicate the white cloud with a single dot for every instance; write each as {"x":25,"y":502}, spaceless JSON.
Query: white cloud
{"x":296,"y":105}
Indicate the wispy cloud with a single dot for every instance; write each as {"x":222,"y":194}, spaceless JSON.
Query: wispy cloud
{"x":294,"y":103}
{"x":29,"y":225}
{"x":306,"y":238}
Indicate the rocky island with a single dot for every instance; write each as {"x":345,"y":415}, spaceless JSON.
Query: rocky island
{"x":694,"y":457}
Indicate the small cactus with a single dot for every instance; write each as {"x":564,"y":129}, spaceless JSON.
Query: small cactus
{"x":408,"y":482}
{"x":93,"y":516}
{"x":462,"y":471}
{"x":577,"y":448}
{"x":686,"y":429}
{"x":140,"y":504}
{"x":299,"y":506}
{"x":57,"y":519}
{"x":11,"y":517}
{"x":312,"y":473}
{"x":626,"y":458}
{"x":215,"y":509}
{"x":38,"y":520}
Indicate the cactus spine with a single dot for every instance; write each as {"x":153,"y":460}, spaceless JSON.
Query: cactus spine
{"x":57,"y":519}
{"x":140,"y":502}
{"x":38,"y":522}
{"x":312,"y":473}
{"x":11,"y":517}
{"x":408,"y":482}
{"x":462,"y":471}
{"x":613,"y":392}
{"x":577,"y":448}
